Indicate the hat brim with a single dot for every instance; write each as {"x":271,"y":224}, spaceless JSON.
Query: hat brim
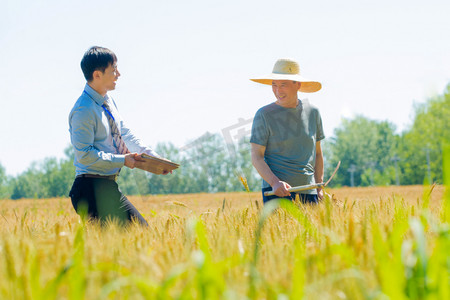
{"x":307,"y":86}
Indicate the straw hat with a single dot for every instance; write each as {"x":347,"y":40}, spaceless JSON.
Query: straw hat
{"x":288,"y":69}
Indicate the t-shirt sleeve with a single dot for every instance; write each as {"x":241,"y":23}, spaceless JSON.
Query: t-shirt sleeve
{"x":319,"y":130}
{"x":260,"y":131}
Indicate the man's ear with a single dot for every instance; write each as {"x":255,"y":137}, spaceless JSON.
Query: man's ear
{"x":97,"y":74}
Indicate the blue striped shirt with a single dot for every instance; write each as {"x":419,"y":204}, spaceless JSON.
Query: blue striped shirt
{"x":91,"y":137}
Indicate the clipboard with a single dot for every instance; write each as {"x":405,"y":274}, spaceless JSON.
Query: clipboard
{"x":155,"y":165}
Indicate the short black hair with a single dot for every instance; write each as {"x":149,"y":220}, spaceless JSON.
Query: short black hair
{"x":96,"y":58}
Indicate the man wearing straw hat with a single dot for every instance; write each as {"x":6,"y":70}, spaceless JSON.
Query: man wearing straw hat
{"x":286,"y":135}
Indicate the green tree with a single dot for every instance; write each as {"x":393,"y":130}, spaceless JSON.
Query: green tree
{"x":27,"y":184}
{"x":5,"y":190}
{"x":221,"y":165}
{"x":243,"y":165}
{"x":429,"y":134}
{"x":203,"y":167}
{"x":206,"y":165}
{"x":133,"y":182}
{"x":365,"y":148}
{"x":180,"y":181}
{"x":48,"y":178}
{"x":57,"y":177}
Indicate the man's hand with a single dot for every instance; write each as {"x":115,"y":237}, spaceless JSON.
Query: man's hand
{"x":165,"y":172}
{"x":131,"y":159}
{"x":320,"y":193}
{"x":136,"y":161}
{"x":280,"y":188}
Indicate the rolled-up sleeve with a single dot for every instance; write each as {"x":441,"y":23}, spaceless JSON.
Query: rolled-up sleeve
{"x":260,"y":132}
{"x":319,"y":129}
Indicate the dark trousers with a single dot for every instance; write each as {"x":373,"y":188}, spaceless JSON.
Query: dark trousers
{"x":304,"y":198}
{"x":101,"y":199}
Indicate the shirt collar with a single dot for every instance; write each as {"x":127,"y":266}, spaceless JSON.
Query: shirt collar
{"x":94,"y":95}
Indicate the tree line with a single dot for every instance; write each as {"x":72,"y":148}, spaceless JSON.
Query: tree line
{"x":208,"y":164}
{"x":373,"y":154}
{"x":370,"y":151}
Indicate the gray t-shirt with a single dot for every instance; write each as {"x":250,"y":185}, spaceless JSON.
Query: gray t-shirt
{"x":290,"y":136}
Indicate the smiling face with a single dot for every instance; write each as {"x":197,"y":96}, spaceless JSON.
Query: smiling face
{"x":286,"y":92}
{"x":109,"y":77}
{"x":105,"y":81}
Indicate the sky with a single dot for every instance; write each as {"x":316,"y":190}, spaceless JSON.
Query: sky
{"x":185,"y":65}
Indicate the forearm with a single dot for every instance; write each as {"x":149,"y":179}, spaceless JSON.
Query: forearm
{"x":264,"y":170}
{"x":318,"y":169}
{"x":92,"y":157}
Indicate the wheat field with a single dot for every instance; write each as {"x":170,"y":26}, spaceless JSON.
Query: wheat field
{"x":362,"y":243}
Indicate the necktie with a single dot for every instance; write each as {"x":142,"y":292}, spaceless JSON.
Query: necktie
{"x":117,"y":137}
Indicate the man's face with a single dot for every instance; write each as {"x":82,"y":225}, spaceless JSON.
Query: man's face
{"x":285,"y":90}
{"x":110,"y":76}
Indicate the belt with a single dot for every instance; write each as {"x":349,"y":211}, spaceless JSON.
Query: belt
{"x":109,"y":177}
